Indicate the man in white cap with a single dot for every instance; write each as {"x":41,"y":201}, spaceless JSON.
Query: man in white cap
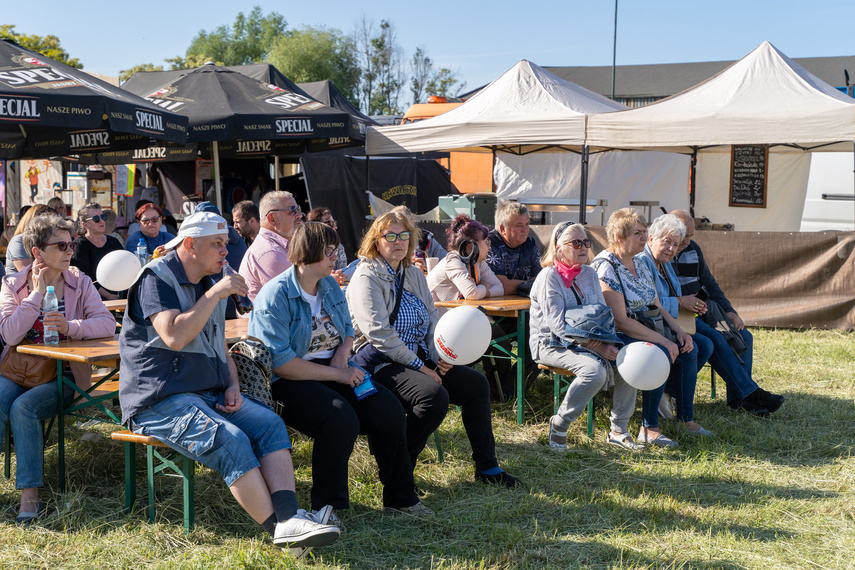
{"x":180,"y":386}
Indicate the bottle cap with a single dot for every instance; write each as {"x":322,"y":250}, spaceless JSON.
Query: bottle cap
{"x":50,"y":288}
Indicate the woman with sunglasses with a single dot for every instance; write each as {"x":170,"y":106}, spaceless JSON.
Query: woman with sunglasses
{"x":93,"y":244}
{"x":150,"y":218}
{"x":464,"y":273}
{"x":573,"y":328}
{"x":81,"y":315}
{"x":394,"y":318}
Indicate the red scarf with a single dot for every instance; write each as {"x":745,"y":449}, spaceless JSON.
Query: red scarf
{"x":567,"y":273}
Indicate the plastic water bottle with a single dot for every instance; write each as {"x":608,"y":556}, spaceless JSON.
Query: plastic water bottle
{"x":50,"y":304}
{"x":142,"y":252}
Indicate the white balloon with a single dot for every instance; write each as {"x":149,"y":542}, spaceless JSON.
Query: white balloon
{"x":643,"y":365}
{"x":462,"y":335}
{"x":117,"y":270}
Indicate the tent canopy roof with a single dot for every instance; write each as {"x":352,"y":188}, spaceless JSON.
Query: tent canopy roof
{"x":526,"y":106}
{"x":764,"y":98}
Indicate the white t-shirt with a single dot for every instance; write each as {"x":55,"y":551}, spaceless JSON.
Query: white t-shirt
{"x":325,"y":337}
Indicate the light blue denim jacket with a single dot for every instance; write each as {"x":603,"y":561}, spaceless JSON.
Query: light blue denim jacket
{"x":282,"y":319}
{"x":666,"y":299}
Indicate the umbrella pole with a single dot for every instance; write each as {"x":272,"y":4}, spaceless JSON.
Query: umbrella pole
{"x":276,"y":173}
{"x":217,"y":186}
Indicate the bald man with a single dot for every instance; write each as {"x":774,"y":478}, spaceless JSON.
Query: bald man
{"x":743,"y":393}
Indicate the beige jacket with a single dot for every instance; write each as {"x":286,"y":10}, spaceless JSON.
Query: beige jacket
{"x":371,"y":299}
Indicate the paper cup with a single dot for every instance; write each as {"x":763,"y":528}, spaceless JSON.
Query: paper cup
{"x":431,"y":263}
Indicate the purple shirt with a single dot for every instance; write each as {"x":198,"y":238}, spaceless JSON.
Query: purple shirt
{"x":266,"y":258}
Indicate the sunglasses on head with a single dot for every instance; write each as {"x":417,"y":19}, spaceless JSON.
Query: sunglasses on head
{"x":64,"y":245}
{"x":391,"y":237}
{"x":97,"y":218}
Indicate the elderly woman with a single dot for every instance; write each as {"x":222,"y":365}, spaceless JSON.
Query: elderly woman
{"x":664,"y":237}
{"x":302,"y":316}
{"x":93,"y":244}
{"x":150,"y":218}
{"x":394,"y":317}
{"x":81,"y":315}
{"x":464,"y":272}
{"x":573,"y":328}
{"x":628,"y":286}
{"x":17,"y":255}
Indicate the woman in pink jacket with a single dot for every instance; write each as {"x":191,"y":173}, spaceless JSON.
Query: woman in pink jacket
{"x":81,"y":315}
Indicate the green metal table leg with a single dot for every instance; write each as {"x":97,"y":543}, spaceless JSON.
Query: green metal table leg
{"x":149,"y":457}
{"x":520,"y":360}
{"x":712,"y":383}
{"x":189,"y":488}
{"x":591,"y":417}
{"x":60,"y":428}
{"x":7,"y":449}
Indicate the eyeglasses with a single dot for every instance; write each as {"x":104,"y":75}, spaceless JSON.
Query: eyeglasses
{"x":578,"y":243}
{"x":391,"y":237}
{"x":64,"y":245}
{"x":97,"y":219}
{"x":147,"y":221}
{"x":293,"y":210}
{"x":330,"y":251}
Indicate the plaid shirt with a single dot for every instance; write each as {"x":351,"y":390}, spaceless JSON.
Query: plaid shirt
{"x":412,"y":323}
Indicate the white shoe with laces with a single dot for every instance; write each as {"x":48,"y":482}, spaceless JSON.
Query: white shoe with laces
{"x":301,"y":531}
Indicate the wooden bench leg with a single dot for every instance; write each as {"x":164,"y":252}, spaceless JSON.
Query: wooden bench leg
{"x":438,"y":445}
{"x":591,"y":418}
{"x":150,"y":471}
{"x":712,"y":383}
{"x":189,"y":488}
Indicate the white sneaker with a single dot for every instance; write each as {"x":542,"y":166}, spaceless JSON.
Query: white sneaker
{"x":326,"y":515}
{"x":302,"y":531}
{"x":666,"y":406}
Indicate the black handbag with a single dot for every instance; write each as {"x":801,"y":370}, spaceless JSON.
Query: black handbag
{"x":368,"y":357}
{"x":524,"y":288}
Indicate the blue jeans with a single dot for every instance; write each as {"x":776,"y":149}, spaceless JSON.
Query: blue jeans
{"x":681,"y":383}
{"x":25,"y":409}
{"x":736,"y":376}
{"x":230,"y":444}
{"x":705,"y":349}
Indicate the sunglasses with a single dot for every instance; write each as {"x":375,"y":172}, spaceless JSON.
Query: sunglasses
{"x":332,"y":223}
{"x":64,"y":245}
{"x":148,"y":221}
{"x":578,"y":243}
{"x":391,"y":237}
{"x":293,"y":210}
{"x":97,"y":219}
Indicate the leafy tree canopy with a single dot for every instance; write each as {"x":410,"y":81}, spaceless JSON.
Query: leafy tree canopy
{"x":248,"y":40}
{"x":45,"y":45}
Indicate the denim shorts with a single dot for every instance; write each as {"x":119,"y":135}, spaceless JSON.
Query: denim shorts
{"x":230,"y":444}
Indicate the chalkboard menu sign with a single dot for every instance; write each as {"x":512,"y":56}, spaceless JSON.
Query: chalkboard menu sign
{"x":748,"y":173}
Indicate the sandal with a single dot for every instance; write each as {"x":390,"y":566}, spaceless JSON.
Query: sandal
{"x":623,"y":440}
{"x":557,"y":439}
{"x":659,"y":441}
{"x":26,"y":519}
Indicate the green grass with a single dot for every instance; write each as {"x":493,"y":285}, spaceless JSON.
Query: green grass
{"x":764,"y":493}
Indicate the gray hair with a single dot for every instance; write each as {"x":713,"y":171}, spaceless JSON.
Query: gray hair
{"x":83,"y":215}
{"x":557,"y":239}
{"x":666,"y":225}
{"x":272,"y":199}
{"x":43,"y":227}
{"x":508,"y":209}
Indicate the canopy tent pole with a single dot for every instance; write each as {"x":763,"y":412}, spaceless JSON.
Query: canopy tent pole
{"x":583,"y":191}
{"x":276,"y":173}
{"x":693,"y":181}
{"x":217,"y":186}
{"x":493,"y":172}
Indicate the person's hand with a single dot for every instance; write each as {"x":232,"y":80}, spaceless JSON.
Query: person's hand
{"x":604,"y":349}
{"x":339,"y":359}
{"x":340,"y":277}
{"x":430,"y":372}
{"x":233,"y":284}
{"x":232,"y":400}
{"x":420,"y":263}
{"x":693,"y":304}
{"x":442,"y":367}
{"x":673,"y":350}
{"x":39,"y":284}
{"x":55,"y":321}
{"x":349,"y":376}
{"x":737,"y":322}
{"x":685,"y":340}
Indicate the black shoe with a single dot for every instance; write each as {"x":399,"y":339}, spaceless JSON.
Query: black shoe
{"x":766,"y":399}
{"x":749,"y":406}
{"x":501,"y":478}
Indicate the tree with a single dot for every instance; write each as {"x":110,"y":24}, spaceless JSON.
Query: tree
{"x":316,"y":54}
{"x":126,"y":74}
{"x":191,"y":62}
{"x":444,"y":83}
{"x":48,"y":46}
{"x":247,"y":41}
{"x":380,"y":59}
{"x":422,"y":70}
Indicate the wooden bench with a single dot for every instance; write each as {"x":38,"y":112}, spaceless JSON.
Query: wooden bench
{"x":561,"y":380}
{"x":160,"y":458}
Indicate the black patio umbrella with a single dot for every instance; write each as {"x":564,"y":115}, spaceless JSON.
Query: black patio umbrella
{"x":249,"y":117}
{"x":48,"y":109}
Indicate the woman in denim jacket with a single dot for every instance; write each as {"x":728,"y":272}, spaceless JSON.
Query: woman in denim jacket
{"x":573,"y":328}
{"x":302,"y":316}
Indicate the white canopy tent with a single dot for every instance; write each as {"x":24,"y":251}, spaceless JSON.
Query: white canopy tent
{"x":529,"y":119}
{"x":764,"y":98}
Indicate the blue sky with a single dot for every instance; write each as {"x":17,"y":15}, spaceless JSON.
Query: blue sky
{"x":479,"y":40}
